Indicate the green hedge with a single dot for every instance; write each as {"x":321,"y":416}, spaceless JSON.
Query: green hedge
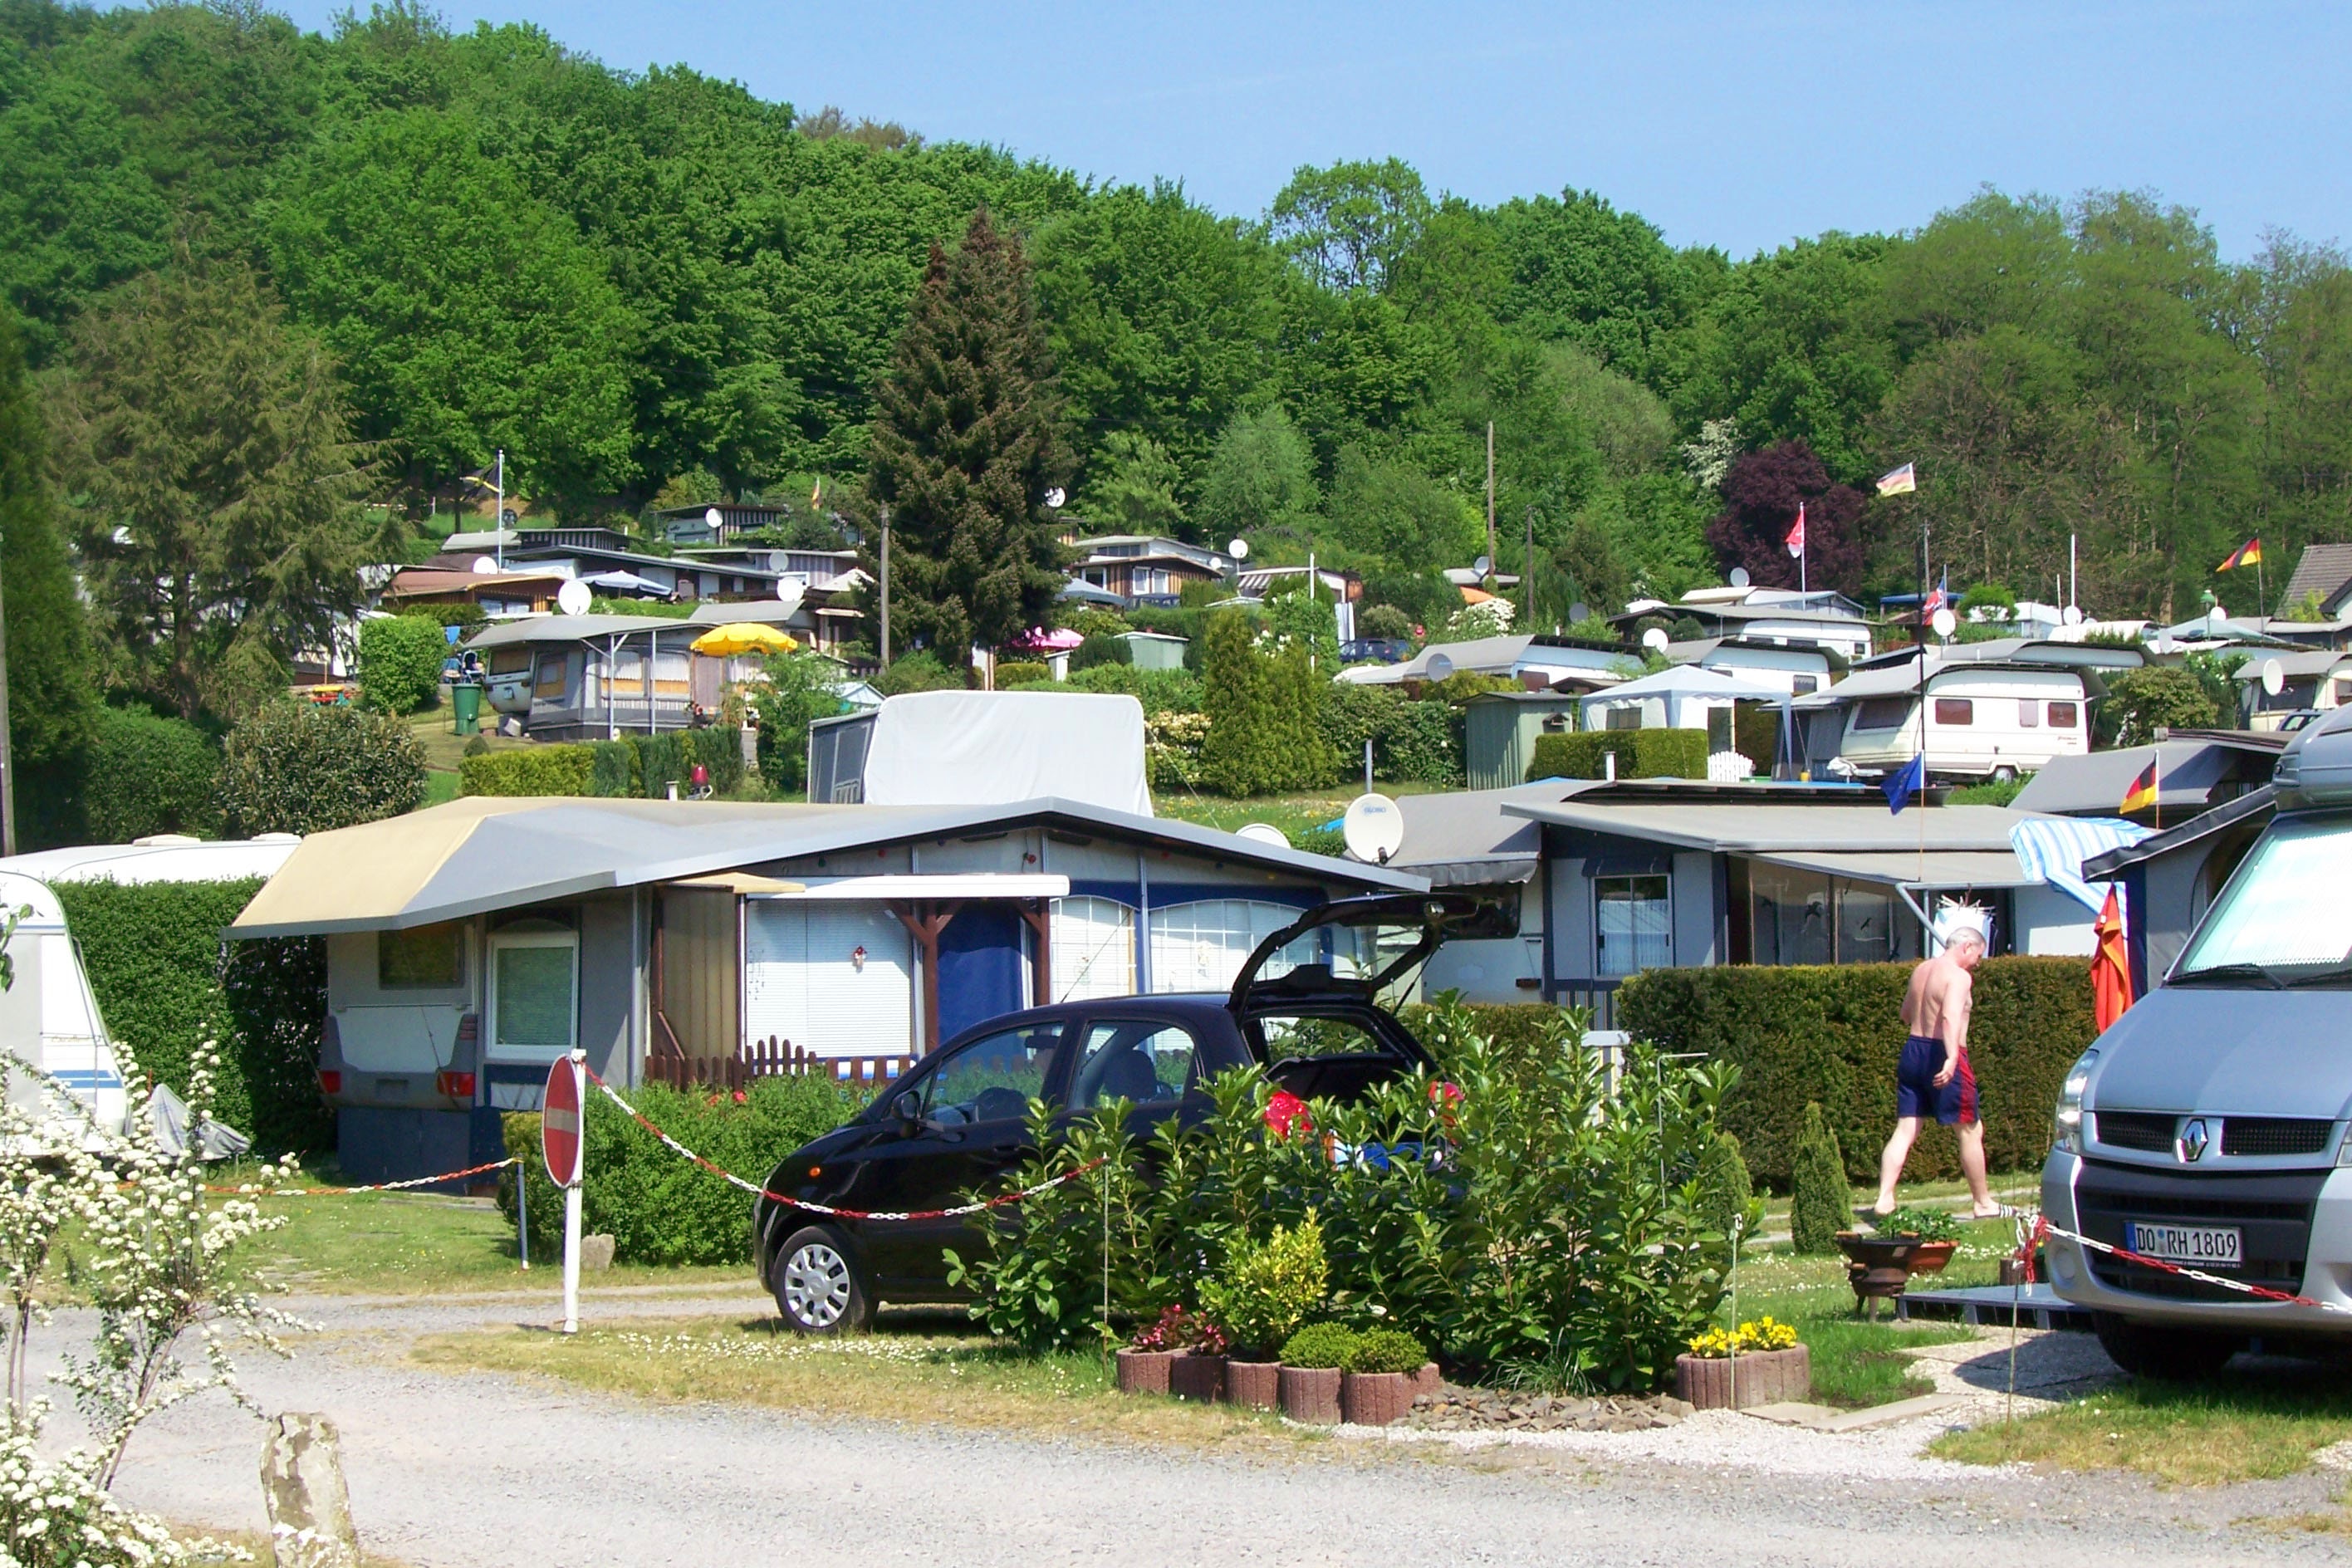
{"x":146,"y":774}
{"x":532,"y":770}
{"x":400,"y":662}
{"x":633,"y":765}
{"x":1831,"y":1033}
{"x":657,"y":1207}
{"x":1640,"y":755}
{"x":164,"y":980}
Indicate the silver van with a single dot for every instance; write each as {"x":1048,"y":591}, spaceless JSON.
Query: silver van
{"x":2208,"y":1127}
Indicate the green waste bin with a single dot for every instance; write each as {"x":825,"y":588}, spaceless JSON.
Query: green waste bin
{"x":468,"y":697}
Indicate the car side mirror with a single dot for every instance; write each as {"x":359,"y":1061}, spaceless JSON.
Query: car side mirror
{"x":907,"y":1109}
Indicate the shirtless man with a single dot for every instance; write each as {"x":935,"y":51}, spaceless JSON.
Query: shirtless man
{"x":1933,"y":1077}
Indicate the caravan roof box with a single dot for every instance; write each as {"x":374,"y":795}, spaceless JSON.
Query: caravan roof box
{"x":983,"y":748}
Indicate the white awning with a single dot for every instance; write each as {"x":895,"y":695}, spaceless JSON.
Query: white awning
{"x":1936,"y":868}
{"x":948,"y":885}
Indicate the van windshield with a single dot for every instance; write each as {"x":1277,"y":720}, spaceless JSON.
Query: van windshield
{"x":2283,"y":919}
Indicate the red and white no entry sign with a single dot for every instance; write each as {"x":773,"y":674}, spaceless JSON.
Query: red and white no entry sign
{"x":558,"y":1121}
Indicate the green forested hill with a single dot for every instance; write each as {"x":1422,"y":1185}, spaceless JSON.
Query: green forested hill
{"x":659,"y":286}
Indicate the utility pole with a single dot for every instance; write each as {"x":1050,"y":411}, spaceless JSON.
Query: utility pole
{"x":1491,"y":561}
{"x":886,"y":587}
{"x":1528,"y":575}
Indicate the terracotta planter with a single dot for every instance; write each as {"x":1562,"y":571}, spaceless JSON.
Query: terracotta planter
{"x":1724,"y":1383}
{"x":1376,"y":1398}
{"x":1311,"y":1393}
{"x":1427,"y":1380}
{"x":1143,"y":1372}
{"x":1930,"y":1256}
{"x":1195,"y":1376}
{"x":1254,"y":1383}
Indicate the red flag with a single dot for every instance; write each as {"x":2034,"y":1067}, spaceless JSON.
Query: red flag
{"x":1797,"y":534}
{"x":2111,"y":984}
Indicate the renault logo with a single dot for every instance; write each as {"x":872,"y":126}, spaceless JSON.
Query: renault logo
{"x":2193,"y":1140}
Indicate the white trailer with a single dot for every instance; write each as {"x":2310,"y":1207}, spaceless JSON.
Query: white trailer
{"x":1978,"y":721}
{"x":49,"y":1020}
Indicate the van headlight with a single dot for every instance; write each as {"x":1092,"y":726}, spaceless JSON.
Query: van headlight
{"x":2067,"y":1132}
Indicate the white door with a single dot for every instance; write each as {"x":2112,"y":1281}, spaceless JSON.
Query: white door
{"x":834,"y":978}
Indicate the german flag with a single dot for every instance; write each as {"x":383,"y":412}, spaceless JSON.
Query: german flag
{"x":2250,"y":553}
{"x":2141,"y":795}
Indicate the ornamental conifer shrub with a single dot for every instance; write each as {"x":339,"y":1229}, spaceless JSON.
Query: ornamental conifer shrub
{"x":1817,"y":1210}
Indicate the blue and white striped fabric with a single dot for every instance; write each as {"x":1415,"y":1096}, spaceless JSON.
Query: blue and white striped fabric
{"x":2053,"y":848}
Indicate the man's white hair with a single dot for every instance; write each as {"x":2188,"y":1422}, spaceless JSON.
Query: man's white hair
{"x":1965,"y":935}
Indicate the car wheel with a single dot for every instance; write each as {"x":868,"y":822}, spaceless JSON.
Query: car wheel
{"x":2004,"y":775}
{"x":2169,"y":1355}
{"x":817,"y":1285}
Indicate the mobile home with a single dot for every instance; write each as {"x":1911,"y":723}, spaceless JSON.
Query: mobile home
{"x":1995,"y":715}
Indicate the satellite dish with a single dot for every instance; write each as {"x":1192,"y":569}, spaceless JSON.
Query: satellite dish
{"x":1945,"y":623}
{"x":2273,"y":677}
{"x":1238,"y":549}
{"x":1580,"y":611}
{"x":1054,"y":497}
{"x":1437,"y":666}
{"x":2072,"y":616}
{"x":1481,"y":565}
{"x":712,"y":516}
{"x":484,"y":566}
{"x":508,"y":517}
{"x":1264,"y":833}
{"x":1373,"y":828}
{"x":1739,"y":577}
{"x":1656,"y":637}
{"x":572,"y":597}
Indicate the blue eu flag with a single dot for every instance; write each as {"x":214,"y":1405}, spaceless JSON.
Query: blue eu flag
{"x":1904,"y":782}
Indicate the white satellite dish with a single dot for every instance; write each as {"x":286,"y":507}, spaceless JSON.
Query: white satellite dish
{"x":712,"y":516}
{"x":2072,"y":616}
{"x":2218,"y":620}
{"x":1739,"y":577}
{"x":1437,"y":667}
{"x":572,"y":598}
{"x":1481,"y":565}
{"x":1264,"y":833}
{"x":1237,"y":548}
{"x":1656,"y":637}
{"x":1580,"y":611}
{"x":1373,"y":828}
{"x":484,"y":566}
{"x":1945,"y":624}
{"x":1054,"y":497}
{"x":2273,"y":677}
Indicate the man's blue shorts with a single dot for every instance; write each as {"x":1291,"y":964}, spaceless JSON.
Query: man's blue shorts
{"x":1915,"y":1093}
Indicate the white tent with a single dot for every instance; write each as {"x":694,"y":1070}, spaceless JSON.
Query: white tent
{"x":992,"y":748}
{"x":1676,"y":698}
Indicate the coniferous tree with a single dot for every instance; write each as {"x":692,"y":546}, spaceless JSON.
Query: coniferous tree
{"x":1818,"y":1197}
{"x":966,"y":444}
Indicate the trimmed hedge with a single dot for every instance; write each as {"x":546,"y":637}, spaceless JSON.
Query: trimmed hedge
{"x":164,"y":979}
{"x":531,"y":770}
{"x":657,"y":1207}
{"x":146,"y":774}
{"x":1831,"y":1033}
{"x":1640,"y":755}
{"x":623,"y":769}
{"x":400,"y":662}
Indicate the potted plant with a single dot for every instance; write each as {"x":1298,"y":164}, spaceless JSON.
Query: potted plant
{"x":1759,"y":1362}
{"x":1878,"y":1267}
{"x":1382,"y":1378}
{"x":1312,"y":1360}
{"x":1142,"y":1366}
{"x":1199,"y":1373}
{"x":1261,"y":1297}
{"x":1937,"y":1231}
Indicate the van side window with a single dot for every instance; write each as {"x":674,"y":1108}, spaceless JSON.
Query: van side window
{"x":420,"y":956}
{"x":1955,"y":710}
{"x":1882,"y":713}
{"x":1806,"y":685}
{"x":2029,"y":713}
{"x":2063,"y":716}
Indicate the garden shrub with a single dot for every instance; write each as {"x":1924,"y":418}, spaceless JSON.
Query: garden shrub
{"x":1171,"y":749}
{"x":147,"y":775}
{"x":1263,"y":731}
{"x":1321,"y":1345}
{"x":1818,"y":1197}
{"x":529,"y":770}
{"x":1726,"y":1193}
{"x":1097,"y":650}
{"x":1018,"y":671}
{"x":166,"y":982}
{"x":400,"y":662}
{"x":921,"y":670}
{"x":296,"y":767}
{"x":632,"y":766}
{"x":1159,"y":690}
{"x":1386,"y":1350}
{"x":1268,"y":1287}
{"x":612,"y":768}
{"x":1420,"y":742}
{"x":1640,"y":755}
{"x":1831,"y":1033}
{"x":659,"y":1208}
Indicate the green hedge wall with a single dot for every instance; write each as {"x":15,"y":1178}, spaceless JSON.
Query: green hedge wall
{"x":145,"y":774}
{"x":633,"y":765}
{"x":164,"y":980}
{"x":533,"y":770}
{"x":1640,"y":755}
{"x":1832,"y":1033}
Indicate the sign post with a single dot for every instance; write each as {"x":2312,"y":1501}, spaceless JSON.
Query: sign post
{"x":561,"y":1132}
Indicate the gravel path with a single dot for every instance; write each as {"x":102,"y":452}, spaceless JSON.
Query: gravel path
{"x":461,"y":1470}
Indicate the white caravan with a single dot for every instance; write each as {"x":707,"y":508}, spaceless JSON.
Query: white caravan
{"x":49,"y":1020}
{"x":1981,"y":720}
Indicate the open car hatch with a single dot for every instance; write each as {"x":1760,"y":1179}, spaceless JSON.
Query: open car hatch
{"x":1373,"y":942}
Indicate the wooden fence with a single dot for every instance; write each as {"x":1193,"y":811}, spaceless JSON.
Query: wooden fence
{"x":771,"y":1058}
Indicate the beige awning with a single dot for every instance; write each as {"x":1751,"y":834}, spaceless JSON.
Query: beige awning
{"x":364,"y":878}
{"x":737,"y":883}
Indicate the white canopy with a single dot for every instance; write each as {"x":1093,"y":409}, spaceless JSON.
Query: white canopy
{"x":1672,"y":688}
{"x":986,"y":748}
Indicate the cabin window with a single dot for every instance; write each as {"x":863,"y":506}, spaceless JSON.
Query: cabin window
{"x":2063,"y":715}
{"x":1202,"y":945}
{"x":1806,"y":685}
{"x":510,"y":660}
{"x":548,"y":687}
{"x":1093,"y":949}
{"x":1955,"y":710}
{"x":1882,"y":713}
{"x":534,"y":990}
{"x":2029,"y":713}
{"x":1633,"y":916}
{"x":422,"y":956}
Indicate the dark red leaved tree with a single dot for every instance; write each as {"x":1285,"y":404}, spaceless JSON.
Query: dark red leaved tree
{"x":1761,"y":493}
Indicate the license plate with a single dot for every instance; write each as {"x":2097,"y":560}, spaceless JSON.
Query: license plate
{"x":2219,"y":1245}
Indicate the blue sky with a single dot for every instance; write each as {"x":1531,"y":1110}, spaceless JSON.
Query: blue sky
{"x":1734,"y":125}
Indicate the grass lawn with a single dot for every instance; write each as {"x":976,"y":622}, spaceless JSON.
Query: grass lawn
{"x":2253,"y":1424}
{"x":1855,"y":1362}
{"x":1294,"y":814}
{"x":925,"y":1366}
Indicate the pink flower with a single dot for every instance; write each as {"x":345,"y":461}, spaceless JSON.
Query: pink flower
{"x":1286,"y":1113}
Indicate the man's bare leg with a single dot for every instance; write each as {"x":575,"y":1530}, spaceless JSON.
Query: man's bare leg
{"x":1972,"y":1165}
{"x":1890,"y":1163}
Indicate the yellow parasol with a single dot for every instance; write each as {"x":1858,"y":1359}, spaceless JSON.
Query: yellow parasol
{"x":743,"y":637}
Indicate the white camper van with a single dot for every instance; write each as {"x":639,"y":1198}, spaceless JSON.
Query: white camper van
{"x":48,"y":1017}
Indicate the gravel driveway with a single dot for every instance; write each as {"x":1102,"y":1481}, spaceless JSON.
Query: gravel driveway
{"x":486,"y":1472}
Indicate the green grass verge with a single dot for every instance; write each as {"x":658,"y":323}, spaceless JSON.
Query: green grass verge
{"x":2255,"y":1425}
{"x":1855,"y":1362}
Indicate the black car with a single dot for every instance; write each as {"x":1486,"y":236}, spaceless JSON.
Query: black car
{"x":959,"y":1120}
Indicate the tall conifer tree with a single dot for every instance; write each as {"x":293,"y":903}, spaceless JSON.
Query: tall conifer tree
{"x":967,"y":441}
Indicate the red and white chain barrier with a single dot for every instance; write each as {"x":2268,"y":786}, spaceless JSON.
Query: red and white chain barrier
{"x":2043,"y":1228}
{"x":731,"y":1179}
{"x":375,"y":1186}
